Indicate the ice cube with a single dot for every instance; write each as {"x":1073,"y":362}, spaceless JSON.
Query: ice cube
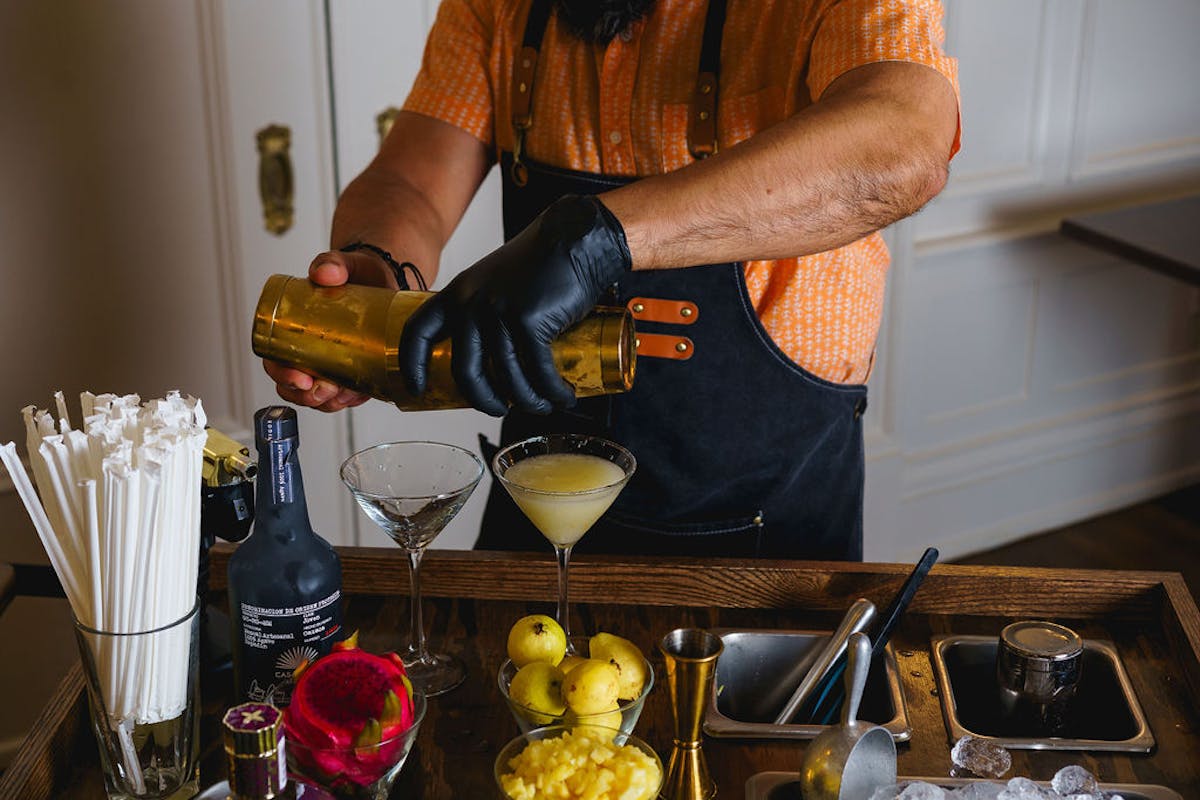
{"x":977,"y":791}
{"x":919,"y":790}
{"x":1075,"y":780}
{"x":981,"y":757}
{"x":1025,"y":789}
{"x":886,"y":792}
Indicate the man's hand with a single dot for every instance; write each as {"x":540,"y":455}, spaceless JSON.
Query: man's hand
{"x":503,"y":312}
{"x":301,"y":388}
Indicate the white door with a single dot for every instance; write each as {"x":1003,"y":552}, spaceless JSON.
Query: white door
{"x":375,"y":51}
{"x":268,"y":67}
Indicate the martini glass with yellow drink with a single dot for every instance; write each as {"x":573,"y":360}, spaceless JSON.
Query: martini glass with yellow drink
{"x":564,"y":483}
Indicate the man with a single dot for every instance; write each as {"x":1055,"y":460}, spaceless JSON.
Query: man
{"x":720,"y":169}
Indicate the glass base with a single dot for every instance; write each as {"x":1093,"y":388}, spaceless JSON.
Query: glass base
{"x":435,"y":674}
{"x":188,"y":790}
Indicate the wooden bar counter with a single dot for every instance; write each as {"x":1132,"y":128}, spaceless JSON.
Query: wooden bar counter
{"x":472,"y":598}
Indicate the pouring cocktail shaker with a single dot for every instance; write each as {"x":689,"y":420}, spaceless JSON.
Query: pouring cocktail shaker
{"x":350,"y":335}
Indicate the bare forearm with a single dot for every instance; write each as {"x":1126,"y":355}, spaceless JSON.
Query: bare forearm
{"x":391,"y":214}
{"x":413,"y":194}
{"x":874,"y":150}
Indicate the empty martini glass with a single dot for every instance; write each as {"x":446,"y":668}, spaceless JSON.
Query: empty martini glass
{"x":412,"y":490}
{"x":564,"y":483}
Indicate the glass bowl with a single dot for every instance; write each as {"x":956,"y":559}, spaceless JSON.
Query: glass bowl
{"x":529,"y":719}
{"x":359,"y":773}
{"x":503,"y":771}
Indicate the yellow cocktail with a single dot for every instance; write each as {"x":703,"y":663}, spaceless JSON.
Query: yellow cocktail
{"x":564,"y":483}
{"x":563,"y":494}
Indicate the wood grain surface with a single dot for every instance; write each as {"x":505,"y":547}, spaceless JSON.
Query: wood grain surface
{"x":473,"y":598}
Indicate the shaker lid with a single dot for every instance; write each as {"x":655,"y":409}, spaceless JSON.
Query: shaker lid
{"x":251,"y":729}
{"x":1044,"y":641}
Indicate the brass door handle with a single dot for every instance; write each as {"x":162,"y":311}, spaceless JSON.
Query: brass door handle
{"x":275,"y":183}
{"x":384,"y":120}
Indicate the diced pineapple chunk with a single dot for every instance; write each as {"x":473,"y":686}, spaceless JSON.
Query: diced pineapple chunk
{"x":580,"y":765}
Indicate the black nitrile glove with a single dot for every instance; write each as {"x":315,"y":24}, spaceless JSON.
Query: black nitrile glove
{"x":503,"y":312}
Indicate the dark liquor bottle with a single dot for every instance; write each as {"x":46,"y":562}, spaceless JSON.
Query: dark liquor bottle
{"x":285,"y":581}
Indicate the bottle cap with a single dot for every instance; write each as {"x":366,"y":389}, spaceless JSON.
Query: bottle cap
{"x":251,"y":729}
{"x":275,"y":423}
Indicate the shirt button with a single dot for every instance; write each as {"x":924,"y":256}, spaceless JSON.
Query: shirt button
{"x":615,"y":137}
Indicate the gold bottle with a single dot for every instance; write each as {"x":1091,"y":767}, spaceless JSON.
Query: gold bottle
{"x":351,"y":334}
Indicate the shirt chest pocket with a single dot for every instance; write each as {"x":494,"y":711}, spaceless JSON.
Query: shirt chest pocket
{"x":738,"y":118}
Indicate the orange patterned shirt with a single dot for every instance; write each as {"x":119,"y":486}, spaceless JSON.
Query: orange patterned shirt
{"x":622,"y":109}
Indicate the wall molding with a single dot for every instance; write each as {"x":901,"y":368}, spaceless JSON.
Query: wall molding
{"x":1020,"y":526}
{"x":1030,"y":171}
{"x":948,"y":468}
{"x":210,"y":24}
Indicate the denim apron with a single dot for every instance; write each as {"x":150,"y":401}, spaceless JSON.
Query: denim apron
{"x":741,"y":452}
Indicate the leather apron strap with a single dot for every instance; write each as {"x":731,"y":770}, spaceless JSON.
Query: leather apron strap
{"x":702,"y":118}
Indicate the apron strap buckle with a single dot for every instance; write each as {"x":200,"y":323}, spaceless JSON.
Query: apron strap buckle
{"x":660,"y":345}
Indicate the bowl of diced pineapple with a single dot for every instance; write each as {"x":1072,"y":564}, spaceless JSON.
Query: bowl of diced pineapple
{"x":577,"y":761}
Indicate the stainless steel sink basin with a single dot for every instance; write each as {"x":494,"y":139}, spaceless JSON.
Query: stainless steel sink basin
{"x":785,"y":786}
{"x":750,"y":688}
{"x":1103,"y":715}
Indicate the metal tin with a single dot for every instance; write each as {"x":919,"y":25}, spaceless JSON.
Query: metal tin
{"x":1038,"y":665}
{"x":349,"y":334}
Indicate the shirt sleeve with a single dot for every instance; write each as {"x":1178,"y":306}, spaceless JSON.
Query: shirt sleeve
{"x":452,"y":85}
{"x":853,"y":33}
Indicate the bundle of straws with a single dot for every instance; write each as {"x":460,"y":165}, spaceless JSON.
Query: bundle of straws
{"x":119,"y":516}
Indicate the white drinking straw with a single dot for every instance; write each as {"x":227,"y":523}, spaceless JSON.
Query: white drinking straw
{"x":119,"y":518}
{"x":41,"y":522}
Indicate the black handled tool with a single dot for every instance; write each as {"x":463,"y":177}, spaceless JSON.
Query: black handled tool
{"x":829,"y":695}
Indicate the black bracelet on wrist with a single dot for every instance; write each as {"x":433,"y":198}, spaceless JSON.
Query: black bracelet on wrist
{"x":398,"y":268}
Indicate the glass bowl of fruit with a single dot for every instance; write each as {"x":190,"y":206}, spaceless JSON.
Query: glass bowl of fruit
{"x":576,"y":761}
{"x":351,"y":723}
{"x":603,"y":682}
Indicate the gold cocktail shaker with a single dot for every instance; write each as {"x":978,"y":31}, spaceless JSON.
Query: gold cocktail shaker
{"x":351,"y":334}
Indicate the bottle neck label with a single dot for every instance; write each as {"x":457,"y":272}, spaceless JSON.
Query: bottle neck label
{"x":282,"y":484}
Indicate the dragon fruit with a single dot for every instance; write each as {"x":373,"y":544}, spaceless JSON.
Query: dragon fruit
{"x":348,"y":715}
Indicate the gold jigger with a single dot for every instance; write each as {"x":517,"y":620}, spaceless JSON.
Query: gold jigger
{"x":691,"y":657}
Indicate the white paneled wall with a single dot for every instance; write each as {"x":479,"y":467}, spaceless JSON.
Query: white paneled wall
{"x":1033,"y":381}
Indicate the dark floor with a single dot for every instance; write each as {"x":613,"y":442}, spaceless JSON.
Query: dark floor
{"x":1161,"y":534}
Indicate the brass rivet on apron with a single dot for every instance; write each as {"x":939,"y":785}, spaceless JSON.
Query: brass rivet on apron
{"x":685,"y":312}
{"x":638,"y":308}
{"x":705,"y":88}
{"x":681,"y":346}
{"x":525,"y":63}
{"x":703,"y":115}
{"x":757,"y":519}
{"x":522,"y":88}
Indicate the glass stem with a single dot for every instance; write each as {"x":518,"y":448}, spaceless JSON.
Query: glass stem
{"x":418,"y":626}
{"x":564,"y":564}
